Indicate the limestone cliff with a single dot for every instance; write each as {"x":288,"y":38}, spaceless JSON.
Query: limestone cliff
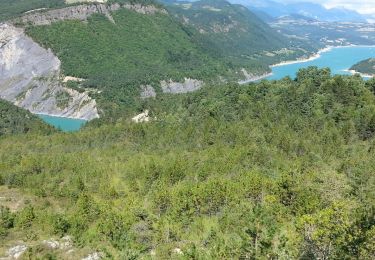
{"x":189,"y":85}
{"x":29,"y":77}
{"x":82,"y":12}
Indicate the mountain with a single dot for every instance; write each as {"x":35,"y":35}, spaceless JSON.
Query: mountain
{"x":235,"y":34}
{"x":365,"y":67}
{"x":312,"y":10}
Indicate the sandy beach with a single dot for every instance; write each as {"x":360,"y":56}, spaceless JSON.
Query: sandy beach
{"x":311,"y":58}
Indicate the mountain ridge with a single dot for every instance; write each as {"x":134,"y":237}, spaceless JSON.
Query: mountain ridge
{"x":312,"y":10}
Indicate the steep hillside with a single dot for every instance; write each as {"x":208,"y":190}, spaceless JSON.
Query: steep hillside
{"x":136,"y":48}
{"x":365,"y":67}
{"x":14,"y":120}
{"x":281,"y":170}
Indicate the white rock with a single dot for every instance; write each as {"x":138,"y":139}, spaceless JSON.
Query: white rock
{"x":189,"y":85}
{"x":16,"y":251}
{"x":177,"y":251}
{"x":143,"y":117}
{"x":53,"y":244}
{"x":147,"y":91}
{"x":66,"y":242}
{"x":94,"y":256}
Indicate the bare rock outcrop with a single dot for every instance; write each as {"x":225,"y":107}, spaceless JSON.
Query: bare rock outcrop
{"x":94,"y":256}
{"x":142,"y":117}
{"x":147,"y":91}
{"x":29,"y":78}
{"x":16,"y":251}
{"x":189,"y":85}
{"x":82,"y":12}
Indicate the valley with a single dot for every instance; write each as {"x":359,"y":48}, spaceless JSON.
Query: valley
{"x":95,"y":42}
{"x":141,"y":129}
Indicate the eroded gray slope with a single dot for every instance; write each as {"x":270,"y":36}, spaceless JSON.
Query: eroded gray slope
{"x":29,"y":77}
{"x":82,"y":12}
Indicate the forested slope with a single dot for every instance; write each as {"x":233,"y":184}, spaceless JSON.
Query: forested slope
{"x":279,"y":169}
{"x":118,"y":58}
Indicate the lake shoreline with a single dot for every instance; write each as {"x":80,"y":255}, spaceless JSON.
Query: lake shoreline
{"x":318,"y":55}
{"x":363,"y":75}
{"x":61,"y":116}
{"x":285,"y":63}
{"x":303,"y":60}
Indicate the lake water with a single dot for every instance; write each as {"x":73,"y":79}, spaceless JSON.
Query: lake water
{"x":337,"y":59}
{"x":63,"y":123}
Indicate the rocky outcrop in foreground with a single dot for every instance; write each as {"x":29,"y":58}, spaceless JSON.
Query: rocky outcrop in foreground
{"x":29,"y":78}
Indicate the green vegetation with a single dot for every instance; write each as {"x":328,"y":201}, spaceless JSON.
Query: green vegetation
{"x":281,"y":169}
{"x":13,"y":8}
{"x":14,"y":120}
{"x":365,"y":67}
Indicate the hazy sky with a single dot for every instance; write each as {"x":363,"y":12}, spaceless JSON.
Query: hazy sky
{"x":362,"y":6}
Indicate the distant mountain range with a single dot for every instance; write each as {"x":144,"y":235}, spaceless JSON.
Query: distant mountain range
{"x":311,"y":10}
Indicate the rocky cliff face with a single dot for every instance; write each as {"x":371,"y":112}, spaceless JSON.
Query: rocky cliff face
{"x":189,"y":85}
{"x":29,"y":77}
{"x":82,"y":12}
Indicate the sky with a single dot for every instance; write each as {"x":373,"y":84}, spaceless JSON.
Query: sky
{"x":361,"y":6}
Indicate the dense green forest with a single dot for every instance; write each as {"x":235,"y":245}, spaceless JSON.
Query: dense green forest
{"x":14,"y":120}
{"x":365,"y":67}
{"x":272,"y":170}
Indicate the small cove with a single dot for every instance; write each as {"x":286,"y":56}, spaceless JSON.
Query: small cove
{"x":63,"y":123}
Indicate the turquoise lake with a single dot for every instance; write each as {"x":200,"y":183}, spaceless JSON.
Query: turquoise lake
{"x":63,"y":123}
{"x":337,"y":59}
